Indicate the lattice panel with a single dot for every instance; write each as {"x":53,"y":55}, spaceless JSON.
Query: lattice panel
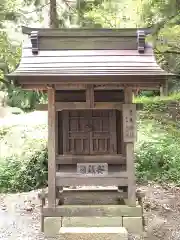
{"x":89,"y":132}
{"x":101,"y":135}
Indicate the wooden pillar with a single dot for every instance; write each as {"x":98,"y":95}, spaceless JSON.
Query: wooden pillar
{"x":129,"y":145}
{"x":90,"y":95}
{"x":51,"y":148}
{"x":90,"y":104}
{"x":164,"y":89}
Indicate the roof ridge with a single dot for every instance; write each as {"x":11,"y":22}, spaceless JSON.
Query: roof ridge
{"x":84,"y":32}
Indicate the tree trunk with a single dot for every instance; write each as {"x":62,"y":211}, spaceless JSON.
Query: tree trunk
{"x":53,"y":14}
{"x":78,"y":11}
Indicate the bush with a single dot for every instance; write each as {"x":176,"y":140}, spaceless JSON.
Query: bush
{"x":18,"y":176}
{"x":157,"y":104}
{"x":159,"y":160}
{"x":23,"y":155}
{"x":157,"y":149}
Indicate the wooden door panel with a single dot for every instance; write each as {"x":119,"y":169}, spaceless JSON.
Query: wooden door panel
{"x":76,"y":132}
{"x":89,"y":132}
{"x":79,"y":146}
{"x":102,"y":139}
{"x":100,"y":125}
{"x":101,"y":145}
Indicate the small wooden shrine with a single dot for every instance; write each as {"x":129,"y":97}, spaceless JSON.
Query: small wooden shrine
{"x":90,"y":76}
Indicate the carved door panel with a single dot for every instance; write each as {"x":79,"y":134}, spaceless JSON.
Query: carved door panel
{"x":103,"y":134}
{"x":75,"y":132}
{"x":89,"y":132}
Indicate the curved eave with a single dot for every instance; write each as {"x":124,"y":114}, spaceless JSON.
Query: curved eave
{"x":88,"y":66}
{"x":88,"y":62}
{"x":92,"y":74}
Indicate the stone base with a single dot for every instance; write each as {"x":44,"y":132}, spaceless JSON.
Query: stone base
{"x":53,"y":224}
{"x":95,"y":233}
{"x":92,"y":222}
{"x":133,"y":224}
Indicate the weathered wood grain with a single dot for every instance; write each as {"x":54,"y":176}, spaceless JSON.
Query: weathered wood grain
{"x":130,"y":157}
{"x":74,"y":159}
{"x":93,"y":211}
{"x":51,"y":148}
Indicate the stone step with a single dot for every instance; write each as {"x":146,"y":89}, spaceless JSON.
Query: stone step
{"x":92,"y":222}
{"x":95,"y":233}
{"x":53,"y":224}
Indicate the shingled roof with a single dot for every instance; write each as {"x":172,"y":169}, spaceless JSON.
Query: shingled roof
{"x":99,"y":55}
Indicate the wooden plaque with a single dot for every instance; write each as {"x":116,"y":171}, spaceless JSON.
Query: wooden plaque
{"x":129,"y":122}
{"x":92,"y":169}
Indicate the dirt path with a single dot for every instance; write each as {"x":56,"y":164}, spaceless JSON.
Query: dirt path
{"x":162,"y":215}
{"x":162,"y":212}
{"x":15,"y":221}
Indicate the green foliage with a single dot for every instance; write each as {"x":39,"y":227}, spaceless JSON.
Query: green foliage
{"x":164,"y":17}
{"x":23,"y":155}
{"x":8,"y":11}
{"x":24,"y":175}
{"x":10,"y":51}
{"x":110,"y":14}
{"x":3,"y":131}
{"x":157,"y":149}
{"x":157,"y":155}
{"x":22,"y":99}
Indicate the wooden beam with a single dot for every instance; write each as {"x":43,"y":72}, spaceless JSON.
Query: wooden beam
{"x":131,"y":80}
{"x":90,"y":96}
{"x":73,"y":179}
{"x":93,"y":211}
{"x":39,"y":87}
{"x":70,"y":105}
{"x":91,"y":196}
{"x":120,"y":174}
{"x":74,"y":159}
{"x":82,"y":195}
{"x":108,"y":105}
{"x":83,"y":105}
{"x":70,"y":86}
{"x":51,"y":148}
{"x":131,"y":174}
{"x":130,"y":158}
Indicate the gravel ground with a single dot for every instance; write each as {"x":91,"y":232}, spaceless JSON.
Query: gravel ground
{"x":20,"y":215}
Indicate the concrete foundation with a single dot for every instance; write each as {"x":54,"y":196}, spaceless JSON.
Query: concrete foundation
{"x":52,"y":225}
{"x":92,"y":222}
{"x":133,"y":224}
{"x":95,"y":233}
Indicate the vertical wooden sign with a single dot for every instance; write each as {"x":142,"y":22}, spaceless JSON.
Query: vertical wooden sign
{"x":129,"y":122}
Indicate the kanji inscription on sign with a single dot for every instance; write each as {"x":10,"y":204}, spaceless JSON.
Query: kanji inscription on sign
{"x":129,"y":122}
{"x":92,"y":169}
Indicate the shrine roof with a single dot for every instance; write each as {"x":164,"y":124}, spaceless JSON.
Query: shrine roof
{"x":61,"y":55}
